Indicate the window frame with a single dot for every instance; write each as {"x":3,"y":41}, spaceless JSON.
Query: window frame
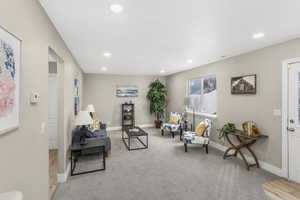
{"x":213,"y":116}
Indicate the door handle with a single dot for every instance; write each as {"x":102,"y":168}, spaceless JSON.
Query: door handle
{"x":290,"y":129}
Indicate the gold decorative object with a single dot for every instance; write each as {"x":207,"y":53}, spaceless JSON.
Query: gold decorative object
{"x":250,"y":129}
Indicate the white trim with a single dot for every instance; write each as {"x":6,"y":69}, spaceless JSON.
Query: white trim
{"x":285,"y":66}
{"x":264,"y":165}
{"x":118,"y":128}
{"x":204,"y":114}
{"x":272,"y":196}
{"x":63,"y":177}
{"x":114,"y":128}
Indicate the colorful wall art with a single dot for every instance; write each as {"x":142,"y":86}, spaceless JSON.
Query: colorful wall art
{"x":76,"y":96}
{"x":10,"y":60}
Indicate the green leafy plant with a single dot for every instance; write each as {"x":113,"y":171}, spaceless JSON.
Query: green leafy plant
{"x":227,"y":128}
{"x":157,"y":95}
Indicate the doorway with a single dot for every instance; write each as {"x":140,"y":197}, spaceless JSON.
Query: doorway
{"x":291,"y":119}
{"x":55,"y":118}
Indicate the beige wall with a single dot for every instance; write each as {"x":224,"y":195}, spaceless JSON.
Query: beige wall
{"x":267,"y":64}
{"x":100,"y":90}
{"x":24,"y":153}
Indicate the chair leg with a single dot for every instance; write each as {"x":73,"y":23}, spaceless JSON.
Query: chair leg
{"x":162,"y":132}
{"x":206,"y":148}
{"x":185,"y":147}
{"x":180,"y":134}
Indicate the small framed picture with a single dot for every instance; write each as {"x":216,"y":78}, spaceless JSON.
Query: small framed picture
{"x":243,"y":84}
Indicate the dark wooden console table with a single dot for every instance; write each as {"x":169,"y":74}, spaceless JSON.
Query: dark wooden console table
{"x":93,"y":147}
{"x":244,"y":142}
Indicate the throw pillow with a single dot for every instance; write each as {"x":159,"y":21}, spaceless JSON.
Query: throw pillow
{"x":200,"y":130}
{"x":174,"y":119}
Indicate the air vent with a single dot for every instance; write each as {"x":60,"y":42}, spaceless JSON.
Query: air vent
{"x":52,"y":68}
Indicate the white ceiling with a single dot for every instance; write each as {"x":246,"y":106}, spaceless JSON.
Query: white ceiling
{"x":151,"y":35}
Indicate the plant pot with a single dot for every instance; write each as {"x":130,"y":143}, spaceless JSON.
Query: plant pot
{"x":158,"y":123}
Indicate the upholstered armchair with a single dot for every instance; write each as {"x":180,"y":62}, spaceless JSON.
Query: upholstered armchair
{"x":191,"y":137}
{"x":174,"y":125}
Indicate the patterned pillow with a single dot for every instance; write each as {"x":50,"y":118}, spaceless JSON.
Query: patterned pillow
{"x":174,"y":119}
{"x":200,"y":130}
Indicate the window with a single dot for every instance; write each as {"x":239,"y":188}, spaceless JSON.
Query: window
{"x":203,"y":95}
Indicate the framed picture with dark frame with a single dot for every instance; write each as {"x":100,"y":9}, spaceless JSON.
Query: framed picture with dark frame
{"x":243,"y":84}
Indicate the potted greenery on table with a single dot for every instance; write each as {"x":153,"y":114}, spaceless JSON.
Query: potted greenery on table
{"x":227,"y":128}
{"x":157,"y":96}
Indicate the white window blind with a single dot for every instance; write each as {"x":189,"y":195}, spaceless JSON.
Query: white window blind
{"x":203,"y":95}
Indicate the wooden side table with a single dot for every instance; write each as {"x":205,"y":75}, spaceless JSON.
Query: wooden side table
{"x":244,"y":142}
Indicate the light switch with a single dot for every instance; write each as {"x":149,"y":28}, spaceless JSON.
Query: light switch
{"x":43,"y":126}
{"x":277,"y":112}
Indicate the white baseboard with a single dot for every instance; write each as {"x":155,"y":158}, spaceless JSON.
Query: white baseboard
{"x":63,"y":177}
{"x":114,"y":128}
{"x":264,"y":165}
{"x":146,"y":126}
{"x":118,"y":128}
{"x":271,"y":196}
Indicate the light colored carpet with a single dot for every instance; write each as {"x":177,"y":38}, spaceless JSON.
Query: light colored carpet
{"x":166,"y":172}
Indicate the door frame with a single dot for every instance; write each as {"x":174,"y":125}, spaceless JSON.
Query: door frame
{"x":57,"y":110}
{"x":285,"y":148}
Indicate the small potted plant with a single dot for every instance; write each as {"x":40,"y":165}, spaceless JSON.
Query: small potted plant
{"x":157,"y":96}
{"x":226,"y":129}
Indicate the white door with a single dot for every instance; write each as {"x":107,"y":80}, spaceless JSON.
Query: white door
{"x":294,"y":122}
{"x":52,"y":111}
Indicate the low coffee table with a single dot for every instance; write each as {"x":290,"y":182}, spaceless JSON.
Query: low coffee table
{"x":135,"y":133}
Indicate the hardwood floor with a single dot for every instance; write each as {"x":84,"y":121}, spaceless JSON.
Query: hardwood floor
{"x":282,"y":189}
{"x":53,"y":171}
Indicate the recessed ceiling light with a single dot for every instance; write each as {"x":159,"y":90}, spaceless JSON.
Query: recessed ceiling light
{"x":107,"y":54}
{"x":162,"y":71}
{"x":258,"y":35}
{"x":189,"y":61}
{"x":116,"y":8}
{"x":104,"y":69}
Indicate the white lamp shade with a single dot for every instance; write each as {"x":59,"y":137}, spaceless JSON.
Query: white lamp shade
{"x":90,"y":108}
{"x":83,"y":118}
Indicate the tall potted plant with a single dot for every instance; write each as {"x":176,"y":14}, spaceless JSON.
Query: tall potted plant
{"x":157,"y":95}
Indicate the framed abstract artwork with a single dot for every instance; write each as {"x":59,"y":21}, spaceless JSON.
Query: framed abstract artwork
{"x":243,"y":84}
{"x":127,"y":91}
{"x":10,"y":63}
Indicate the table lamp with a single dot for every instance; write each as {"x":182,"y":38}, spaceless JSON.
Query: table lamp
{"x":91,"y":109}
{"x":83,"y":119}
